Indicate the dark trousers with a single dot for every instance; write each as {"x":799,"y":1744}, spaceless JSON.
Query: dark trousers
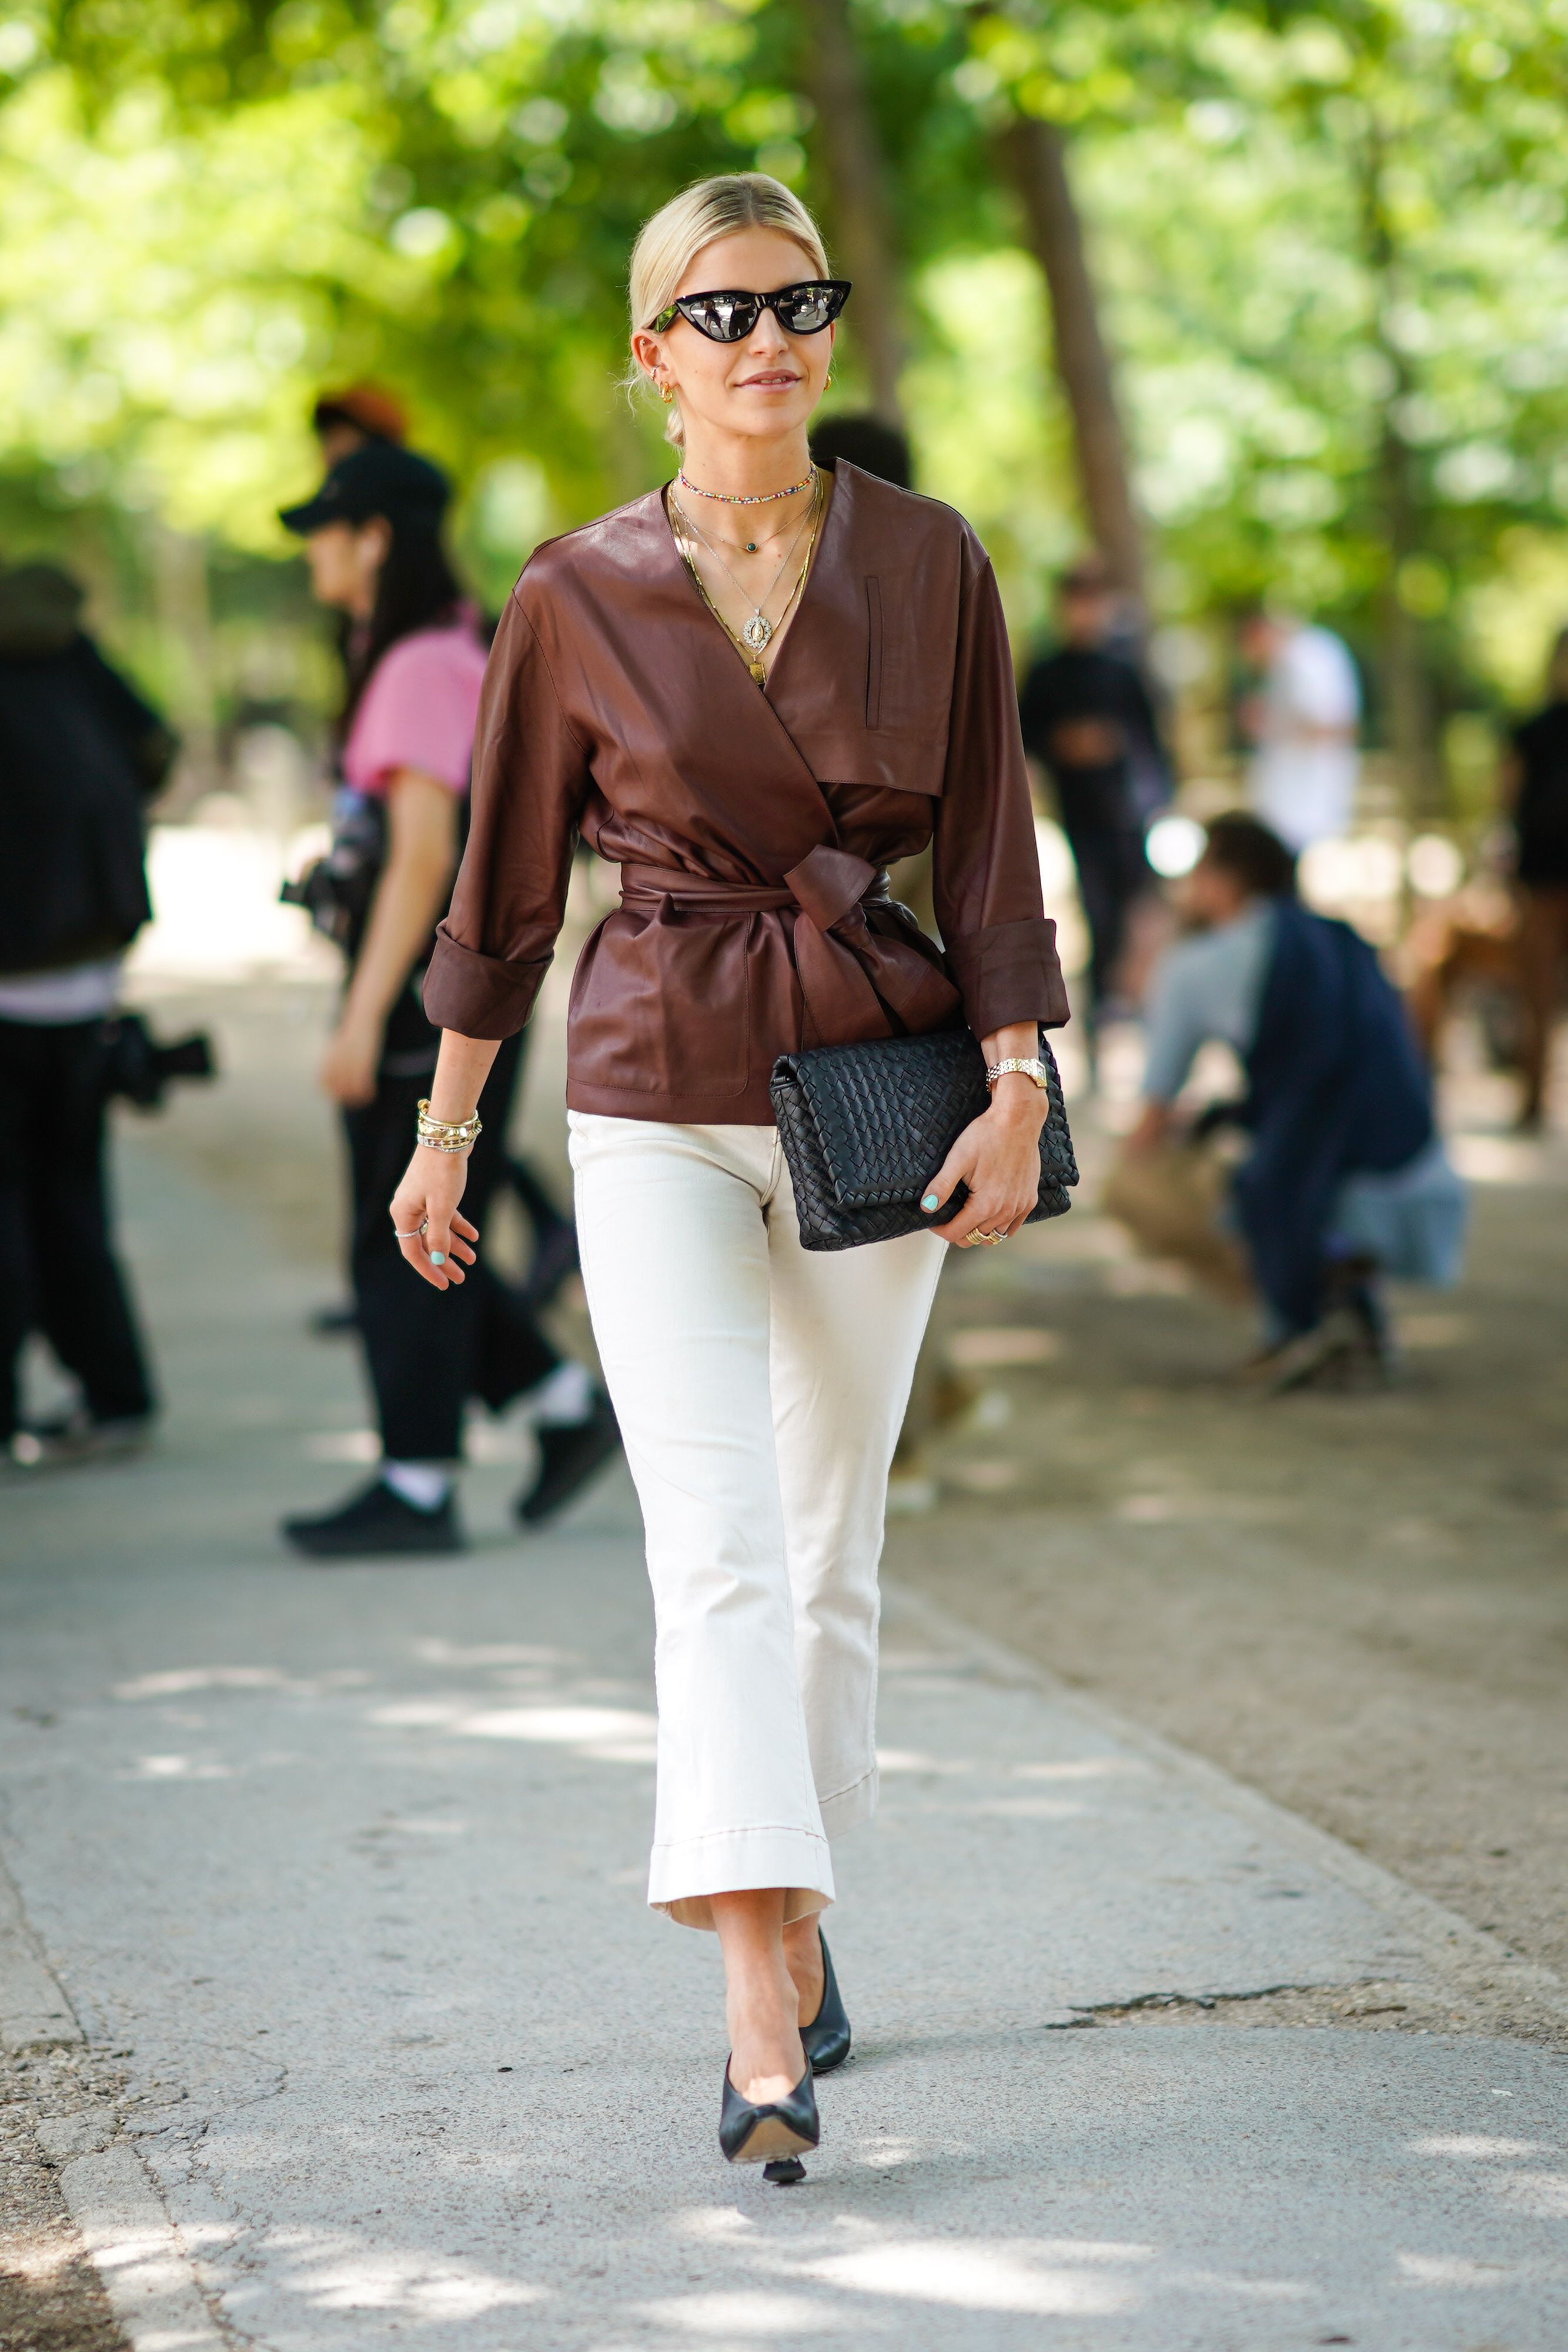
{"x":59,"y":1273}
{"x":1113,"y":872}
{"x":429,"y":1350}
{"x":1542,"y":956}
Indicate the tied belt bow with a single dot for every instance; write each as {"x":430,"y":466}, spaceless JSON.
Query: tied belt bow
{"x":849,"y":975}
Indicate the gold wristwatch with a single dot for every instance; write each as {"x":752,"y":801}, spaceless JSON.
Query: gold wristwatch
{"x":1034,"y":1068}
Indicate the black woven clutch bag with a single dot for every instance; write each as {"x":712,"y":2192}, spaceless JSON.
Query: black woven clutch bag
{"x":865,"y":1128}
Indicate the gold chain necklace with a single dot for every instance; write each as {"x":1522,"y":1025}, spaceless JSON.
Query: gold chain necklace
{"x":758,"y":632}
{"x":759,"y":629}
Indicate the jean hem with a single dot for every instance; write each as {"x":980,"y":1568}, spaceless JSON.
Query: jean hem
{"x":684,"y":1874}
{"x":849,"y":1808}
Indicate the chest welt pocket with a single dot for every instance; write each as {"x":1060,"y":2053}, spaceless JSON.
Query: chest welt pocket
{"x":908,"y":669}
{"x":874,"y":653}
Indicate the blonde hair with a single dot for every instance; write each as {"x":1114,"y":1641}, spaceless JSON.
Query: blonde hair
{"x":669,"y":243}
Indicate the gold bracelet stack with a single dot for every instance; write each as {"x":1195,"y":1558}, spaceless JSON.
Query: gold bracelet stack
{"x":446,"y":1134}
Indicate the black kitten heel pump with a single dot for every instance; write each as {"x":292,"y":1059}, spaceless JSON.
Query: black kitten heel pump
{"x":775,"y":2135}
{"x":826,"y":2041}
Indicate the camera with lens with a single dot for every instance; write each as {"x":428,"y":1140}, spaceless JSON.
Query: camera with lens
{"x":140,"y":1069}
{"x":323,"y":894}
{"x":336,"y":891}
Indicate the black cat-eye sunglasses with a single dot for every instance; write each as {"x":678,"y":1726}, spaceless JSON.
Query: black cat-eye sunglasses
{"x":729,"y":317}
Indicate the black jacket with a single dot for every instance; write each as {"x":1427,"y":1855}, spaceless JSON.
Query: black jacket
{"x":79,"y":755}
{"x":1077,"y":682}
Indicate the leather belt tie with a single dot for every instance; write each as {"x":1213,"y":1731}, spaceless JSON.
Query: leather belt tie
{"x":849,"y":975}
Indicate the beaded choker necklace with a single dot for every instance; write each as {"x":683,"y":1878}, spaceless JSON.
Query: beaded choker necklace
{"x":759,"y":498}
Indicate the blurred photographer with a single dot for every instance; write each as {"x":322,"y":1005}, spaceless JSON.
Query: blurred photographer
{"x":80,"y":755}
{"x":415,"y":660}
{"x":1089,"y":720}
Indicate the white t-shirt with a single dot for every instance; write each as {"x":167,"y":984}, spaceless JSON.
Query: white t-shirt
{"x":1303,"y":787}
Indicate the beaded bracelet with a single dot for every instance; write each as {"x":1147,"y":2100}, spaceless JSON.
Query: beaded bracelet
{"x":446,"y":1134}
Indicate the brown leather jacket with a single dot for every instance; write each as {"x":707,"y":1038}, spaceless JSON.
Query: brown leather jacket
{"x":751,"y":827}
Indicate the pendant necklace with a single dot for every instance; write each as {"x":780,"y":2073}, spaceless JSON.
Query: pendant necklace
{"x":752,"y":641}
{"x":758,"y":632}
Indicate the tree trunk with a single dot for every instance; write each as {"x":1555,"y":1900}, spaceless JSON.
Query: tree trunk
{"x":1037,"y":160}
{"x":182,"y":602}
{"x":862,"y":216}
{"x":1409,"y":717}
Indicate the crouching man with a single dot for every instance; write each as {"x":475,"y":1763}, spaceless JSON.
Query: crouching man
{"x":1346,"y":1182}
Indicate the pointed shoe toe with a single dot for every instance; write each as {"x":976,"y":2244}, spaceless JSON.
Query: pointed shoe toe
{"x":826,"y":2041}
{"x":766,"y":2135}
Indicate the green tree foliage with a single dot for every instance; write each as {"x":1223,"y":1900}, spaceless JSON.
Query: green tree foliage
{"x":1333,"y":245}
{"x":1330,"y":240}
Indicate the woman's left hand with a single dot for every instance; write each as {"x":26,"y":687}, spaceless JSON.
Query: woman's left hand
{"x":997,"y":1157}
{"x":348,"y":1071}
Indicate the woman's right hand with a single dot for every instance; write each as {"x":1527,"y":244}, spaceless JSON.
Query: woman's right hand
{"x":434,"y":1239}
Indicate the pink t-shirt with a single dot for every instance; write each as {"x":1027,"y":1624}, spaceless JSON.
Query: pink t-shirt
{"x":418,"y":710}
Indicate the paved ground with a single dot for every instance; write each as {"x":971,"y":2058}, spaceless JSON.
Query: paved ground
{"x":1358,"y":1605}
{"x":339,"y":1872}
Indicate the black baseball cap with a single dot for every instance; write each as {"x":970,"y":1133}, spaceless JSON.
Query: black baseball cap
{"x":379,"y":479}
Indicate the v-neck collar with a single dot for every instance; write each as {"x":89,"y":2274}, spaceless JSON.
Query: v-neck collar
{"x":827,"y":540}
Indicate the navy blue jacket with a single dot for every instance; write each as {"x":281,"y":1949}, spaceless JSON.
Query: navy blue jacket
{"x":1336,"y":1086}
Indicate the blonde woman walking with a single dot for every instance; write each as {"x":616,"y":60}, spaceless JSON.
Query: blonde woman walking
{"x":750,"y":690}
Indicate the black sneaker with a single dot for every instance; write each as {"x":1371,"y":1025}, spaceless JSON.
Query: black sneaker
{"x":1322,"y":1358}
{"x":80,"y":1437}
{"x":373,"y":1524}
{"x":569,"y":1454}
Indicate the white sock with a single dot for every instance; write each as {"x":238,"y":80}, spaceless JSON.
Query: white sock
{"x":567,"y":1396}
{"x":418,"y":1482}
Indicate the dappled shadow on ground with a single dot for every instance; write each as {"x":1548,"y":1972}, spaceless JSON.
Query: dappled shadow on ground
{"x":1356,"y":1602}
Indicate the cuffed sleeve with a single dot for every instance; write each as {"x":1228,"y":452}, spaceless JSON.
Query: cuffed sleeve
{"x":530,"y":782}
{"x":1008,"y":972}
{"x":986,"y":867}
{"x":479,"y":995}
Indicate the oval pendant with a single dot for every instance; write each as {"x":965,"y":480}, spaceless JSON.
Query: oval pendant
{"x":757,"y":631}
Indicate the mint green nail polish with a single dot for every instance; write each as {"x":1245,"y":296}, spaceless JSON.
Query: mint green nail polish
{"x":438,"y":1257}
{"x":930,"y":1203}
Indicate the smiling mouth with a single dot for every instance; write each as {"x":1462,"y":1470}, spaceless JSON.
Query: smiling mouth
{"x":773,"y":380}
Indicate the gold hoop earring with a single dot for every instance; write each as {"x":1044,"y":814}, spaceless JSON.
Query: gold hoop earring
{"x":666,"y":394}
{"x":826,"y":379}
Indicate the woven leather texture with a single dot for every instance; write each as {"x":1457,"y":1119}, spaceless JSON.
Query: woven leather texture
{"x":865,"y":1128}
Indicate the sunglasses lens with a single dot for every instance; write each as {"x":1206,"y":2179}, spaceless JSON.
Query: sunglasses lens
{"x":723,"y":318}
{"x":805,"y":310}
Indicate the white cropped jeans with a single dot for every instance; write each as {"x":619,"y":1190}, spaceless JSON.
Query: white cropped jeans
{"x":760,"y":1388}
